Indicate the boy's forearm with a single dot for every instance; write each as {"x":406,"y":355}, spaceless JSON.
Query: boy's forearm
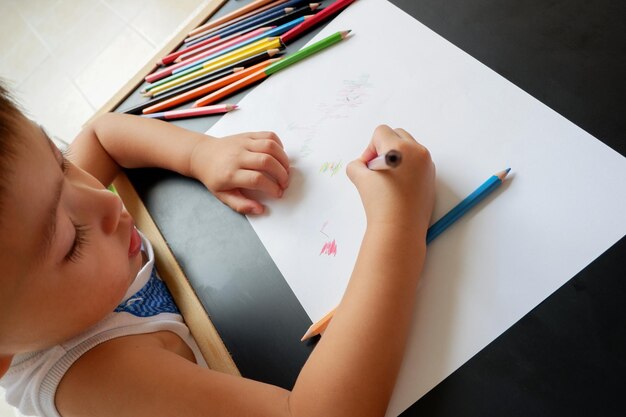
{"x":357,"y":360}
{"x":133,"y":142}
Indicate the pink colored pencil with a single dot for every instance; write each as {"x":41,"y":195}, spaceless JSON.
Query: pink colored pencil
{"x":322,"y":15}
{"x":168,"y":59}
{"x":193,"y":112}
{"x":230,"y":22}
{"x":211,"y":49}
{"x":166,"y":72}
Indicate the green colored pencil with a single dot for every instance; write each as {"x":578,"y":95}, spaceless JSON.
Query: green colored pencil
{"x":271,"y":69}
{"x":307,"y":51}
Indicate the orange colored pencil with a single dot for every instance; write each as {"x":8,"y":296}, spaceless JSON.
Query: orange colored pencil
{"x":319,"y":326}
{"x":231,"y":88}
{"x":210,"y":87}
{"x":230,"y":16}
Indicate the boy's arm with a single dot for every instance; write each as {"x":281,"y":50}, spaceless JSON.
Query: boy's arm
{"x":352,"y":370}
{"x":252,"y":161}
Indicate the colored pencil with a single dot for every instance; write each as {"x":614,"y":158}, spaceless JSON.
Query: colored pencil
{"x":231,"y":89}
{"x":244,"y":63}
{"x":433,"y":231}
{"x":206,"y":88}
{"x":278,"y":3}
{"x":230,"y":16}
{"x":170,"y":58}
{"x":277,"y":21}
{"x":388,"y":160}
{"x":470,"y":201}
{"x":195,"y":112}
{"x":322,"y":15}
{"x":272,"y":69}
{"x":195,"y":66}
{"x":216,"y":75}
{"x":252,"y":15}
{"x":276,"y":31}
{"x":222,"y":61}
{"x":214,"y":52}
{"x":236,"y":38}
{"x":307,"y":51}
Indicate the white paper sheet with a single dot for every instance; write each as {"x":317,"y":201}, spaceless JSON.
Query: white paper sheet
{"x":562,"y":207}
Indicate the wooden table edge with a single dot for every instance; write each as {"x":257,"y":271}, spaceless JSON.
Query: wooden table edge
{"x":210,"y":343}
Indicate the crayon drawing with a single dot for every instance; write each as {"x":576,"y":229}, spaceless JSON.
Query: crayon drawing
{"x":329,"y":248}
{"x":330,"y":167}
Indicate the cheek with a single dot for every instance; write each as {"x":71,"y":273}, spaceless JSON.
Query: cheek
{"x":115,"y":278}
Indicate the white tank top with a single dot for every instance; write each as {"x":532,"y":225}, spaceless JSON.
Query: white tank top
{"x":32,"y":380}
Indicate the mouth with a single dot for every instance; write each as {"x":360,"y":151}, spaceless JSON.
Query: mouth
{"x":134,"y":246}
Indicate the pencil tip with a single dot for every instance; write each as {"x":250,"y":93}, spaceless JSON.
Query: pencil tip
{"x":503,"y":174}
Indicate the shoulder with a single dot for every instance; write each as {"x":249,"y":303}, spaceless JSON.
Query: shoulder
{"x":152,"y":375}
{"x":119,"y":363}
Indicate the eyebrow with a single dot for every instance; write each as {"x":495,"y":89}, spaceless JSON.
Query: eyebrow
{"x":50,"y":225}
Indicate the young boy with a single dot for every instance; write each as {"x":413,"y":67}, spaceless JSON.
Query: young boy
{"x":88,"y":329}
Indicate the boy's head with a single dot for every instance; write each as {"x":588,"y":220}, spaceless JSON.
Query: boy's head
{"x":64,"y":241}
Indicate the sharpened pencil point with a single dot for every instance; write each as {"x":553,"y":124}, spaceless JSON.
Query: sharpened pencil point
{"x":503,"y":174}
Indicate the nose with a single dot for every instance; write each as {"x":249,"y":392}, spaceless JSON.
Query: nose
{"x":111,"y":209}
{"x":102,"y":207}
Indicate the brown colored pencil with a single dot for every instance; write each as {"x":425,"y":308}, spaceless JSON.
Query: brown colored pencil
{"x":238,"y":19}
{"x":232,"y":15}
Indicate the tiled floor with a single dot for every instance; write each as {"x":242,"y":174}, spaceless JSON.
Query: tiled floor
{"x":63,"y":59}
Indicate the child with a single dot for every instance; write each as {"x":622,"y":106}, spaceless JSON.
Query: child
{"x":76,"y":335}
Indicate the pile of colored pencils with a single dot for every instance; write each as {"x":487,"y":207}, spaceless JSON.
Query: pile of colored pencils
{"x":231,"y":53}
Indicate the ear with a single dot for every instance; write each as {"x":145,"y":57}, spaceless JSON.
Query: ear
{"x":5,"y":363}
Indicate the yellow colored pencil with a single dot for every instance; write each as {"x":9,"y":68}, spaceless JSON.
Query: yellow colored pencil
{"x":218,"y":63}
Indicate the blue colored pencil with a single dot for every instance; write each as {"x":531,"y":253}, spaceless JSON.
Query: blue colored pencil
{"x":252,"y":25}
{"x":470,"y":201}
{"x":433,"y":231}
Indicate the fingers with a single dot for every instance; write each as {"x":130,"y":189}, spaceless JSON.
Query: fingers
{"x":268,"y":156}
{"x":240,"y":203}
{"x":255,"y":180}
{"x":268,"y":165}
{"x":265,"y":135}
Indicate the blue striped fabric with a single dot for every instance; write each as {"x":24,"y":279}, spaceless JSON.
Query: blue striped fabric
{"x":154,"y":298}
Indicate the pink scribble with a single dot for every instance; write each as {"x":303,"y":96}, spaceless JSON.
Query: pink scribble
{"x":330,"y":248}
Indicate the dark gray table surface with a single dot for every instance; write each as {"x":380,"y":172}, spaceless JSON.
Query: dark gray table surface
{"x":565,"y":357}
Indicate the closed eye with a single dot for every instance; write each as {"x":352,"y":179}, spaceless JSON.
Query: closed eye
{"x":80,"y":240}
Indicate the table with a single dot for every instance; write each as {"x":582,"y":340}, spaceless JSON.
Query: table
{"x":566,"y":357}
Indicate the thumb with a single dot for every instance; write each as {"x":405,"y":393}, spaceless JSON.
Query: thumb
{"x":355,"y":170}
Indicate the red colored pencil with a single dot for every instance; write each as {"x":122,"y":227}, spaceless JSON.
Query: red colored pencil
{"x":322,"y":15}
{"x":193,"y":112}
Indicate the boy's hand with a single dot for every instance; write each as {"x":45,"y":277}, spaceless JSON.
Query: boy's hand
{"x":246,"y":161}
{"x":402,"y":196}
